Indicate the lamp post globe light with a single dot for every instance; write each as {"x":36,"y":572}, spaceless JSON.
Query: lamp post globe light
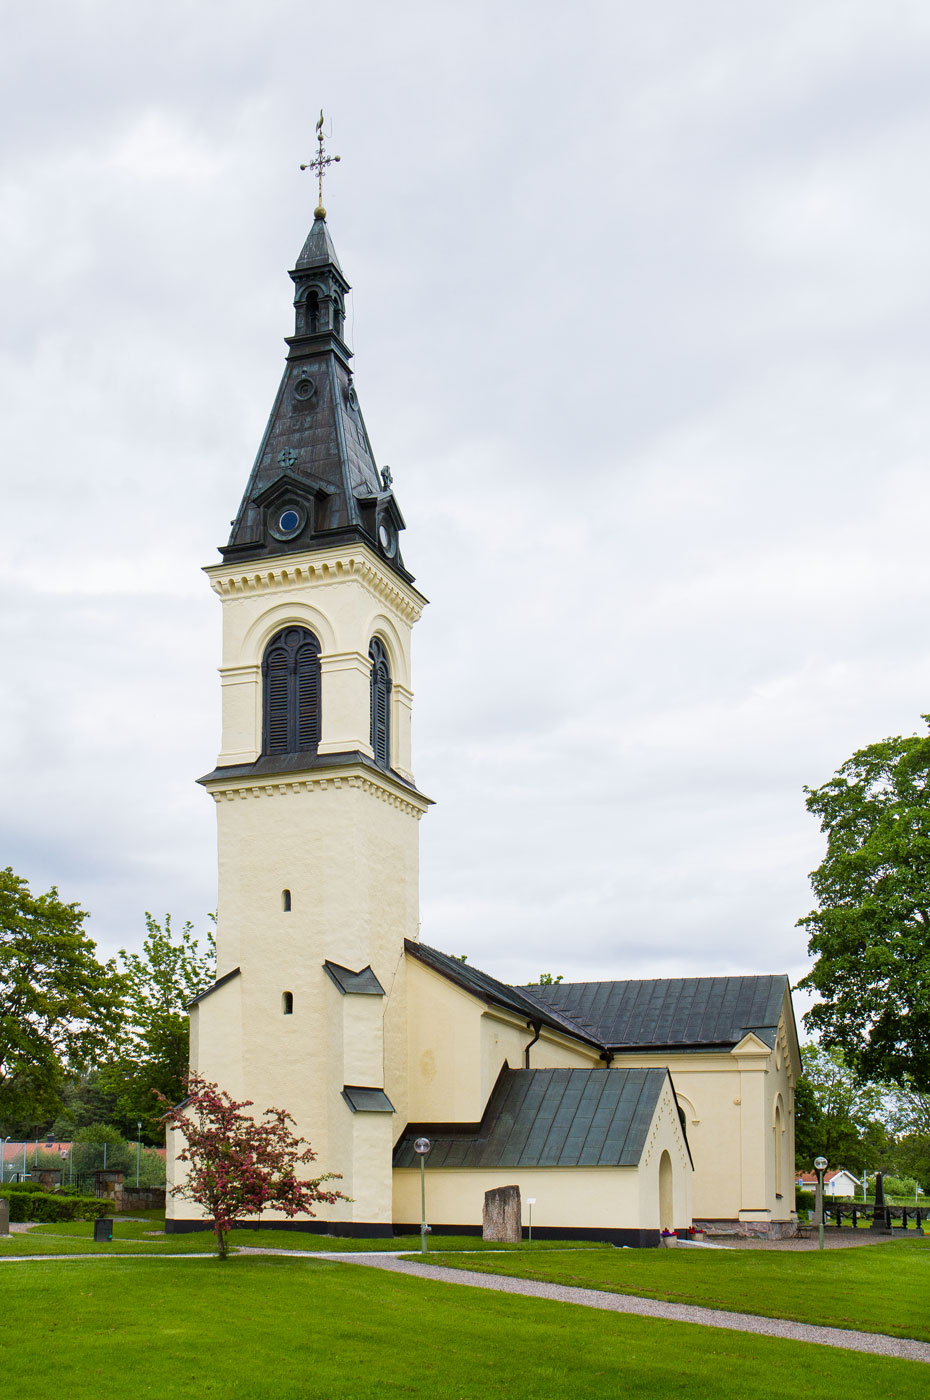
{"x":421,"y":1147}
{"x":820,"y":1166}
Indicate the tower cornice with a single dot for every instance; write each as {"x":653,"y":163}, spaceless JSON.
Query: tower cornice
{"x":344,"y":772}
{"x":319,"y":568}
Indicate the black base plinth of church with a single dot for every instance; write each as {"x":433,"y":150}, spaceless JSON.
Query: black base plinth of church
{"x":635,"y":1239}
{"x":359,"y":1230}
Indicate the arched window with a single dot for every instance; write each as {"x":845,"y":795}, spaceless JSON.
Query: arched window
{"x":286,"y":901}
{"x":291,"y":672}
{"x":287,"y":1003}
{"x":380,"y":703}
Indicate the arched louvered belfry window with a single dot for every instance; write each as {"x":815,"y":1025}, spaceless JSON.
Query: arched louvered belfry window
{"x":380,"y":703}
{"x":291,"y":672}
{"x":313,"y":313}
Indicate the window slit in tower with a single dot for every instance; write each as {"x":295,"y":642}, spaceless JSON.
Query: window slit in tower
{"x":286,"y":901}
{"x":287,"y":1003}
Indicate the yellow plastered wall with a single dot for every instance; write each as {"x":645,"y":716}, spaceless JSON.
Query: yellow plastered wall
{"x":458,"y":1047}
{"x":729,"y":1101}
{"x":343,"y":841}
{"x":345,"y":597}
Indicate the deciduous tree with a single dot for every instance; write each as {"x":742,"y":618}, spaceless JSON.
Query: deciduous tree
{"x":238,"y":1167}
{"x":60,"y":1008}
{"x":870,"y":934}
{"x":152,"y":1052}
{"x":837,"y":1116}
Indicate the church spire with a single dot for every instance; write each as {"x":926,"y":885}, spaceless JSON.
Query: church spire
{"x":314,"y":483}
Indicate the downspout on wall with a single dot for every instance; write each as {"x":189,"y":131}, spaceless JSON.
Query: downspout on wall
{"x":537,"y":1027}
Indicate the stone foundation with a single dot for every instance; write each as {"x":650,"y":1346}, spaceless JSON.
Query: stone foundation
{"x":750,"y":1229}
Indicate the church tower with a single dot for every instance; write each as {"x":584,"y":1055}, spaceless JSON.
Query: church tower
{"x":317,"y":810}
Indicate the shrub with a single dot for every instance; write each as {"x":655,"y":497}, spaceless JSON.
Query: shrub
{"x":804,"y":1200}
{"x":49,"y":1210}
{"x":23,"y":1186}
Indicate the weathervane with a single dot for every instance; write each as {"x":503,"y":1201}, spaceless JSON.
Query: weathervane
{"x":318,"y":165}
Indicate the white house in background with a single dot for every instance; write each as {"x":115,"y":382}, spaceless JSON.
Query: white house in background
{"x":837,"y":1183}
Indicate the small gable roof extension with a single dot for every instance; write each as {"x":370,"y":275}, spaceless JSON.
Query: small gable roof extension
{"x":686,"y":1013}
{"x":550,"y":1118}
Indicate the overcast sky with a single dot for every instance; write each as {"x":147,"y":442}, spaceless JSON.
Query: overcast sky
{"x":640,"y":316}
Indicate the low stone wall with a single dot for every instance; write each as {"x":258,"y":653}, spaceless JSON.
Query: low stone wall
{"x":130,"y":1198}
{"x":750,"y":1229}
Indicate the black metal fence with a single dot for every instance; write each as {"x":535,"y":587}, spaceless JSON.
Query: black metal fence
{"x":888,"y":1217}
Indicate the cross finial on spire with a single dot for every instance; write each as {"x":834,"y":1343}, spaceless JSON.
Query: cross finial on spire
{"x":318,"y":165}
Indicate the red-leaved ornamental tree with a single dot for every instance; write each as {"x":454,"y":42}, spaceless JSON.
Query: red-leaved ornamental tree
{"x":237,"y":1166}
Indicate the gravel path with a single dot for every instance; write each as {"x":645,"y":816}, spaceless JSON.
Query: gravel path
{"x":875,"y":1342}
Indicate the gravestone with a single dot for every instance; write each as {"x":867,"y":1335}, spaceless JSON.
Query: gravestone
{"x":4,"y":1216}
{"x":881,"y":1216}
{"x":501,"y":1220}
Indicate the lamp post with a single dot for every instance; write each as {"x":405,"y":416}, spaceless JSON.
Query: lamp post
{"x":138,"y":1150}
{"x":820,"y":1166}
{"x":421,"y":1147}
{"x":531,"y":1201}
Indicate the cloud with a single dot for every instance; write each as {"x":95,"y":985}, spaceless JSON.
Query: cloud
{"x":639,"y":313}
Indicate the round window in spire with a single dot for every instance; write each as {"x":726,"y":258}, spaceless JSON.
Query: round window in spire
{"x":305,"y":390}
{"x":286,"y":521}
{"x":387,"y":536}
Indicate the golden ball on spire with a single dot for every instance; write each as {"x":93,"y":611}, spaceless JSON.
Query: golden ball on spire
{"x":319,"y":212}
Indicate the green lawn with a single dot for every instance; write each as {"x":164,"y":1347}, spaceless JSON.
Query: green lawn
{"x":877,"y":1288}
{"x":146,"y":1237}
{"x":283,"y":1329}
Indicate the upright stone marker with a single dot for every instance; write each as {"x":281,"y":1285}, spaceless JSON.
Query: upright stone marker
{"x":881,"y":1215}
{"x":4,"y":1216}
{"x":502,"y":1215}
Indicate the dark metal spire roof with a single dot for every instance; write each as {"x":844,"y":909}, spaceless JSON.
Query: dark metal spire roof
{"x":314,"y":483}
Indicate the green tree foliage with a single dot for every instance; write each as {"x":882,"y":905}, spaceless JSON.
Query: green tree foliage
{"x":870,"y":934}
{"x":89,"y":1154}
{"x":545,"y":979}
{"x":909,"y":1119}
{"x":836,"y":1116}
{"x":152,"y":1052}
{"x":60,"y":1008}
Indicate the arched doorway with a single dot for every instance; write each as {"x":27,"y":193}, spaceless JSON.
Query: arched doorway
{"x":666,"y":1194}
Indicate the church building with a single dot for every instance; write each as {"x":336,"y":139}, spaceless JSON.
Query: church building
{"x":620,"y":1108}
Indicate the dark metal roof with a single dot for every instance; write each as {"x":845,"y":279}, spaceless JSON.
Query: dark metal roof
{"x":315,"y":460}
{"x":518,"y":999}
{"x":683,"y":1012}
{"x":551,"y":1118}
{"x":363,"y":983}
{"x":220,"y":981}
{"x":364,"y":1100}
{"x":269,"y":765}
